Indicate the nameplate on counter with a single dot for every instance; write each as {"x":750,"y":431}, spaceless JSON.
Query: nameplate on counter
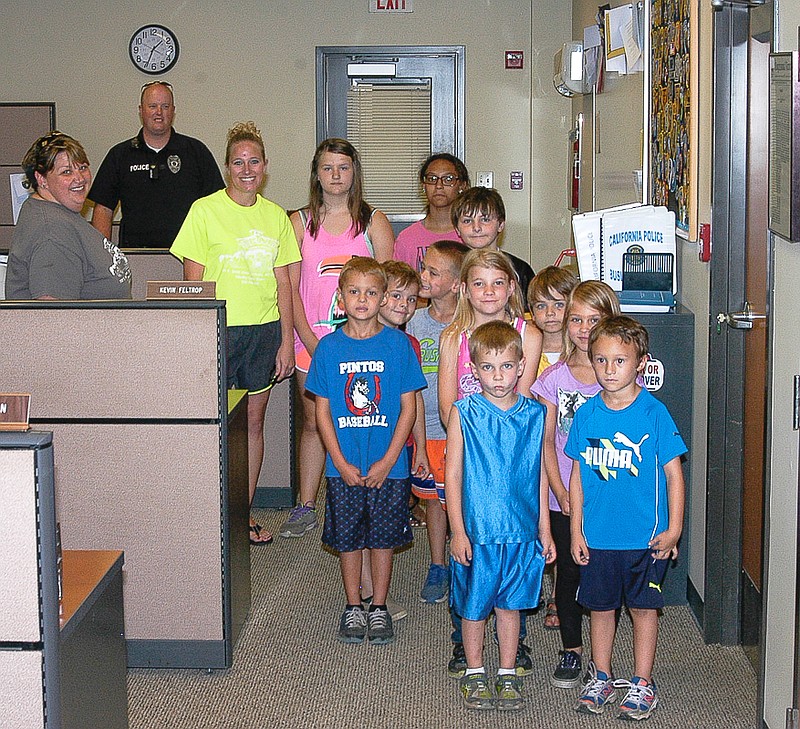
{"x":15,"y":411}
{"x":157,"y":290}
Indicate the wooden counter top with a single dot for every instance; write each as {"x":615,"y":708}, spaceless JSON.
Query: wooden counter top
{"x":84,"y":571}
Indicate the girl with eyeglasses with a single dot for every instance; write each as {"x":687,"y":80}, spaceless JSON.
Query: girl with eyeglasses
{"x":444,"y":177}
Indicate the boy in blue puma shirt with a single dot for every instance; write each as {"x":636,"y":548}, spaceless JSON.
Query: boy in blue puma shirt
{"x":626,"y":503}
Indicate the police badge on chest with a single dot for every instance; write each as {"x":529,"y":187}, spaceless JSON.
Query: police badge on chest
{"x":174,"y":163}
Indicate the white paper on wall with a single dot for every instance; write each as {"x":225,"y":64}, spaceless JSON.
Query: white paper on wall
{"x":19,"y":192}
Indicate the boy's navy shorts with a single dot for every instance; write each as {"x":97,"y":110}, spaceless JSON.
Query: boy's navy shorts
{"x":357,"y":517}
{"x":614,"y":576}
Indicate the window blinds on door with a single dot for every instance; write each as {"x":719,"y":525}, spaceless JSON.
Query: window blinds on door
{"x":390,"y":126}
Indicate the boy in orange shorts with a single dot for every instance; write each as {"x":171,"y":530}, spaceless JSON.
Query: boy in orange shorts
{"x":440,"y":284}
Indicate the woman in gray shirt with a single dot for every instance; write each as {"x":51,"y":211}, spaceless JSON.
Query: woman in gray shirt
{"x":55,"y":253}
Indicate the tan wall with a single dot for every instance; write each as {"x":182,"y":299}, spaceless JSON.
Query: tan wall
{"x":613,"y":119}
{"x":695,"y":279}
{"x":255,"y":60}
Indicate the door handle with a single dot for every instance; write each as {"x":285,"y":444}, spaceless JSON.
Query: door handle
{"x":739,"y":319}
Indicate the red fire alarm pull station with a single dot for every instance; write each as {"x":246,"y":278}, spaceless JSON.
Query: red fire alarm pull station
{"x":705,"y":242}
{"x":514,"y":59}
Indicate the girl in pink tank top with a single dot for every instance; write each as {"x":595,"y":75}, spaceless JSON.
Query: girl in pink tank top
{"x":337,"y":225}
{"x":488,"y":293}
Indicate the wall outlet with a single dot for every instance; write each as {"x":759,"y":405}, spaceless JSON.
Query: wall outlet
{"x":485,"y":179}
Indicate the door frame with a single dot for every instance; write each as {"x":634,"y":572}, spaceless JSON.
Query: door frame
{"x":440,"y":117}
{"x":723,"y":591}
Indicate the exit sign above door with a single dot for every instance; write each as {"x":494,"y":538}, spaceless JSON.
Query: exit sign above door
{"x":391,"y":6}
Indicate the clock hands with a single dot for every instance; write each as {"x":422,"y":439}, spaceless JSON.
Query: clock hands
{"x":153,"y":49}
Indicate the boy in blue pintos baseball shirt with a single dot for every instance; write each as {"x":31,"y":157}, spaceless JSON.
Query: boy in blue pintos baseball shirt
{"x":365,"y":377}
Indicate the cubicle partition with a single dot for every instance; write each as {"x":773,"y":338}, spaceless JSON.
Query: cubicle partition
{"x":29,"y":644}
{"x":58,"y":669}
{"x":134,"y":394}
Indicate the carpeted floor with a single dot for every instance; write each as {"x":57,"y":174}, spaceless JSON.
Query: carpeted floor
{"x":290,"y":672}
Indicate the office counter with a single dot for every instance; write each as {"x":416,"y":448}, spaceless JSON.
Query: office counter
{"x":134,"y":394}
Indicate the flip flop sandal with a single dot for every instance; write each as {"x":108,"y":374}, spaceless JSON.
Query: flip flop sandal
{"x":551,"y":621}
{"x":255,"y":531}
{"x":416,"y":522}
{"x":416,"y":516}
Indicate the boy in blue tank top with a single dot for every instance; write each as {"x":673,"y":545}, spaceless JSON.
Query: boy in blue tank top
{"x":626,"y":504}
{"x":497,"y":504}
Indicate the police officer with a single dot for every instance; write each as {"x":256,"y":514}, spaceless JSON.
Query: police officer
{"x":156,"y":176}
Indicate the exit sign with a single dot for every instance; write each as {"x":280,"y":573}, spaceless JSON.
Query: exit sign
{"x":391,"y":6}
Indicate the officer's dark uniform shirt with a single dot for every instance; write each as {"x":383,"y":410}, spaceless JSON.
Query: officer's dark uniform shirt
{"x":156,"y":189}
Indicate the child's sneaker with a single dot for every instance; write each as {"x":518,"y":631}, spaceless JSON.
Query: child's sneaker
{"x":640,"y":701}
{"x":380,"y":630}
{"x":353,"y":625}
{"x":301,"y":519}
{"x":396,"y":610}
{"x":509,"y":692}
{"x":523,"y":664}
{"x":568,"y":670}
{"x":597,"y":692}
{"x":436,"y":585}
{"x":477,"y":691}
{"x":458,"y":663}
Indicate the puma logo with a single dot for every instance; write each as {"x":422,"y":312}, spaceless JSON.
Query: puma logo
{"x":654,"y":585}
{"x":627,"y":442}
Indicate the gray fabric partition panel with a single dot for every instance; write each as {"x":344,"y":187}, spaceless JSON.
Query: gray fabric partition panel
{"x":89,"y":363}
{"x":153,"y":491}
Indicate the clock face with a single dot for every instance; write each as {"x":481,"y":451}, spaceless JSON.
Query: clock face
{"x":153,"y":49}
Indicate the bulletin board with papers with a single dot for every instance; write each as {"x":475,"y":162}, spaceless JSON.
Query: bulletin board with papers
{"x":674,"y":127}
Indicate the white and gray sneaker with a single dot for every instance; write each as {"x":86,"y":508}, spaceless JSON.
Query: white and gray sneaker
{"x":396,"y":610}
{"x":353,"y":625}
{"x":380,"y":631}
{"x":301,"y":519}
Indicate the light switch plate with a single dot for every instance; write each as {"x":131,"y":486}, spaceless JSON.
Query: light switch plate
{"x":485,"y":179}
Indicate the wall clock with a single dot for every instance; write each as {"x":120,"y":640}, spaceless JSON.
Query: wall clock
{"x":153,"y":49}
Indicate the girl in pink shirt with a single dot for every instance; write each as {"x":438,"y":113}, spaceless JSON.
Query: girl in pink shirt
{"x":336,"y":225}
{"x":488,"y":292}
{"x":444,"y":177}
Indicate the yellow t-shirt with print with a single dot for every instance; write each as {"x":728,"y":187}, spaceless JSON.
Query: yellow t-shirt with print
{"x":240,"y":248}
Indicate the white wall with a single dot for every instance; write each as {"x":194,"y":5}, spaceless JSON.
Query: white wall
{"x":782,"y":503}
{"x":254,"y":59}
{"x":695,"y":280}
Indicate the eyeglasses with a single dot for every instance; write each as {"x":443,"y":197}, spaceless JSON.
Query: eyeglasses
{"x":157,"y":83}
{"x":446,"y":180}
{"x":160,"y":83}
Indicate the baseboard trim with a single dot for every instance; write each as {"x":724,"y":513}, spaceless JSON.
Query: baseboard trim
{"x":277,"y":497}
{"x":696,"y":604}
{"x":177,"y":654}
